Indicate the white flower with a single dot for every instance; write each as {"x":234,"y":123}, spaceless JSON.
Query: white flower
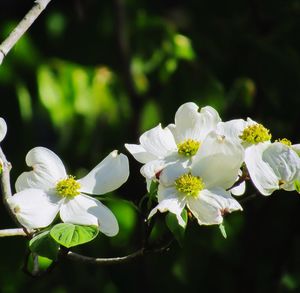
{"x":180,"y":141}
{"x":202,"y":187}
{"x":47,"y":190}
{"x":247,"y":133}
{"x":272,"y":166}
{"x":3,"y":129}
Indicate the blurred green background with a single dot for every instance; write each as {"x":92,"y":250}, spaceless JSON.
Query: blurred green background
{"x":91,"y":75}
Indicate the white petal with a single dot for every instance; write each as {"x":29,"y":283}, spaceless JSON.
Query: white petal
{"x":262,"y":175}
{"x":218,"y":161}
{"x":34,"y":208}
{"x":3,"y":129}
{"x":296,"y":148}
{"x":284,"y":162}
{"x":190,"y":124}
{"x":85,"y":210}
{"x":232,"y":129}
{"x":158,"y":142}
{"x":209,"y":207}
{"x":152,"y":169}
{"x":238,"y":190}
{"x":170,"y":200}
{"x":139,"y":153}
{"x":47,"y":170}
{"x":107,"y":176}
{"x":209,"y":118}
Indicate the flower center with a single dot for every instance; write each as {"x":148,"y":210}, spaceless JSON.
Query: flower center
{"x":188,"y":147}
{"x":68,"y":187}
{"x":255,"y":133}
{"x":189,"y":184}
{"x":284,"y":141}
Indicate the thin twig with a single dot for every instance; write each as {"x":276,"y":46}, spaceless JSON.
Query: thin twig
{"x":12,"y":232}
{"x":5,"y":183}
{"x":104,"y":261}
{"x":5,"y":179}
{"x":116,"y":260}
{"x":242,"y":178}
{"x":22,"y":27}
{"x":6,"y":189}
{"x":36,"y":266}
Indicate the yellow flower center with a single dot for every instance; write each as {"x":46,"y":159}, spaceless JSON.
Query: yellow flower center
{"x":284,"y":141}
{"x":255,"y":133}
{"x":189,"y":184}
{"x":68,"y":187}
{"x":188,"y":147}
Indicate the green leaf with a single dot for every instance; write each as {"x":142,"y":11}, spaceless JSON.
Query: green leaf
{"x":44,"y":245}
{"x":177,"y":230}
{"x":183,"y":47}
{"x":297,"y":185}
{"x":43,"y":263}
{"x":222,"y":230}
{"x":70,"y":235}
{"x":152,"y":194}
{"x":150,"y":115}
{"x":153,"y":189}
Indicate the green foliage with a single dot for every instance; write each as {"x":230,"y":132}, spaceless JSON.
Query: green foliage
{"x":70,"y":235}
{"x":216,"y":55}
{"x":44,"y":245}
{"x":297,"y":185}
{"x":151,"y":116}
{"x":223,"y":230}
{"x":34,"y":260}
{"x":127,"y":216}
{"x":69,"y":91}
{"x":177,"y":230}
{"x":25,"y":104}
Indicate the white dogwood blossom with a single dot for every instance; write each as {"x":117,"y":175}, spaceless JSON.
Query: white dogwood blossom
{"x":47,"y":190}
{"x":3,"y":129}
{"x":177,"y":142}
{"x":272,"y":167}
{"x":202,"y":186}
{"x":247,"y":133}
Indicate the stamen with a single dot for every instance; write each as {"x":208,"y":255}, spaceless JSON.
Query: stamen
{"x":68,"y":187}
{"x":188,"y":147}
{"x":284,"y":141}
{"x":189,"y":184}
{"x":255,"y":133}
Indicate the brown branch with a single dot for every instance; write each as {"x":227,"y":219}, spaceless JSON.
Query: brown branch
{"x":22,"y":27}
{"x":5,"y":183}
{"x":116,"y":260}
{"x":104,"y":261}
{"x":6,"y":189}
{"x":244,"y":177}
{"x":13,"y":232}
